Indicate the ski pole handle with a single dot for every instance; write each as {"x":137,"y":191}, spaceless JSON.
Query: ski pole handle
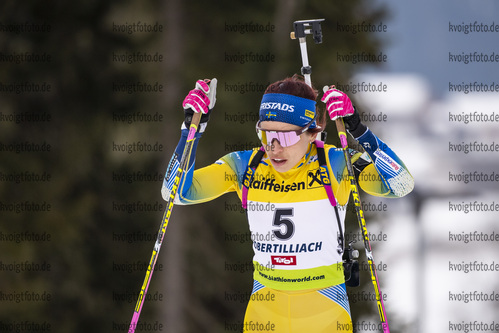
{"x":340,"y":126}
{"x":196,"y":117}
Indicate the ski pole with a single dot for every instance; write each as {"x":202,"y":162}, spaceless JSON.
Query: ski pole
{"x":164,"y":223}
{"x":301,"y":29}
{"x":362,"y":225}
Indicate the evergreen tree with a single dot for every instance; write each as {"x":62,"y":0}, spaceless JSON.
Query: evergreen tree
{"x":93,"y":197}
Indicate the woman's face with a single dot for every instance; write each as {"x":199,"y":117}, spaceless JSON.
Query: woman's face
{"x":285,"y":158}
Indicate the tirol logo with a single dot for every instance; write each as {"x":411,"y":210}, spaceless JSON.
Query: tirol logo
{"x":283,"y":260}
{"x":278,"y":106}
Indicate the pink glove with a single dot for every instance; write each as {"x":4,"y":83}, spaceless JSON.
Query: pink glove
{"x":198,"y":100}
{"x":338,"y":104}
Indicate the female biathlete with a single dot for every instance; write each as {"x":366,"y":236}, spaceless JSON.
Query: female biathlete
{"x":282,"y":185}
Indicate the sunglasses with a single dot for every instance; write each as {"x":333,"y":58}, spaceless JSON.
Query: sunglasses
{"x":285,"y":138}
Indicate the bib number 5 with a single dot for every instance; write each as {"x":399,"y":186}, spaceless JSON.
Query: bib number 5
{"x":282,"y":222}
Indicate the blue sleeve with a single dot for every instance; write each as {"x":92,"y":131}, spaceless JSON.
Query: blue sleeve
{"x":394,"y":179}
{"x":174,"y":165}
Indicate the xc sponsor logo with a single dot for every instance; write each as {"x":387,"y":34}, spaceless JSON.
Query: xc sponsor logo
{"x":278,"y":106}
{"x":387,"y":160}
{"x":314,"y":178}
{"x":283,"y":260}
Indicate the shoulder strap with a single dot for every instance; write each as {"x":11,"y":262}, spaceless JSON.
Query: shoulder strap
{"x":255,"y":161}
{"x":321,"y":155}
{"x":249,"y":174}
{"x":326,"y":181}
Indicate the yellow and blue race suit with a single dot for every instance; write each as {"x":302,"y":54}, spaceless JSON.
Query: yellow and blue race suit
{"x":301,"y":263}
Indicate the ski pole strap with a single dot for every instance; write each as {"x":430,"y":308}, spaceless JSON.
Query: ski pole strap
{"x":326,"y":181}
{"x":249,"y":174}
